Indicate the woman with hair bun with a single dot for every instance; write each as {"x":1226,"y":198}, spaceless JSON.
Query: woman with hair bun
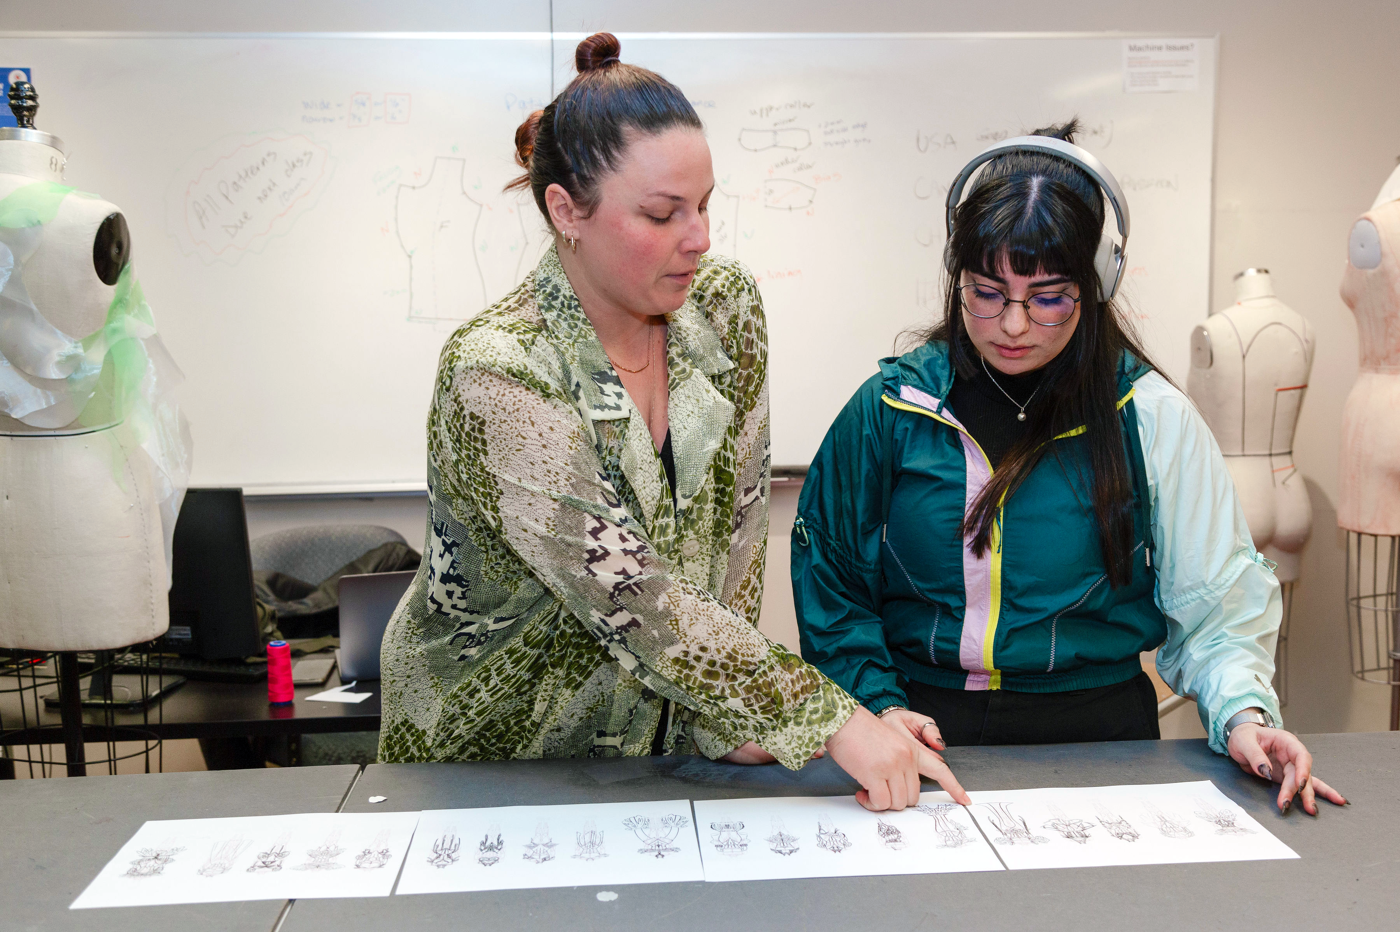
{"x":598,"y":484}
{"x":1003,"y":519}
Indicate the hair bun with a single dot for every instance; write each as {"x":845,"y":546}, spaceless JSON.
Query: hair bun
{"x":525,"y":135}
{"x":1065,"y":131}
{"x":597,"y":51}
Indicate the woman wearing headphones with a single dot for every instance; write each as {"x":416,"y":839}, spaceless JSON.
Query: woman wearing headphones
{"x":1000,"y":521}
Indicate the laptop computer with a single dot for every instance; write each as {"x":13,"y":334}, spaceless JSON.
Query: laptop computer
{"x":366,"y":603}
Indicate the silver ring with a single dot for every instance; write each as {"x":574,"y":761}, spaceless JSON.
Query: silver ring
{"x":924,"y":725}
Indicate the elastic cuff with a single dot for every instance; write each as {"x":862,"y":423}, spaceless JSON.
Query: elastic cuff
{"x":797,"y":737}
{"x":1215,"y":728}
{"x":881,"y":703}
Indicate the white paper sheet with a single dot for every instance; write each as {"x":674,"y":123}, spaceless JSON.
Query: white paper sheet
{"x":552,"y":846}
{"x":1164,"y":823}
{"x":833,"y":836}
{"x":339,"y":694}
{"x":298,"y":856}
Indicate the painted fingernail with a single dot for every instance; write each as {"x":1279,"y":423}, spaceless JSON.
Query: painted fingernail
{"x":1265,"y":772}
{"x":1287,"y":804}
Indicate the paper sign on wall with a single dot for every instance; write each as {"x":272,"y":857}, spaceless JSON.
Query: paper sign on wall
{"x":1153,"y":66}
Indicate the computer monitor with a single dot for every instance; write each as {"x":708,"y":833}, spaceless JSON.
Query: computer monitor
{"x":212,"y":611}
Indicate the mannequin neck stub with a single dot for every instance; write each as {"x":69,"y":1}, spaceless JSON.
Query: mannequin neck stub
{"x":1253,"y":284}
{"x":32,"y":160}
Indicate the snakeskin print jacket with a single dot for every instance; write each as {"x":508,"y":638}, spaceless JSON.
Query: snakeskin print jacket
{"x":565,"y":606}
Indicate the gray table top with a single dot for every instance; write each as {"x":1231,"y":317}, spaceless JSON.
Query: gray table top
{"x":61,"y":832}
{"x":1347,"y":872}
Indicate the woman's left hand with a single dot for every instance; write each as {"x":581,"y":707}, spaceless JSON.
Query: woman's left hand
{"x":1279,"y":756}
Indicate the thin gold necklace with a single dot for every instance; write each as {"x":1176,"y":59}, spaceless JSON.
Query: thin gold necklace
{"x":644,"y":365}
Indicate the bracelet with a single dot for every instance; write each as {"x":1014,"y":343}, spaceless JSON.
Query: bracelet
{"x":890,"y":708}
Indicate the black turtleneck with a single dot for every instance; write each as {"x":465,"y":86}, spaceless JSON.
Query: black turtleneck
{"x":989,"y":415}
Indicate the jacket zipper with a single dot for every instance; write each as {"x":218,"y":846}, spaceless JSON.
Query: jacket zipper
{"x":937,"y":609}
{"x":1087,"y":592}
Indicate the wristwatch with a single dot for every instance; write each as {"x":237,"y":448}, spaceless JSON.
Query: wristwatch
{"x":1257,"y":716}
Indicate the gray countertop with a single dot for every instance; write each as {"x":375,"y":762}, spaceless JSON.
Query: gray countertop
{"x":1348,"y":872}
{"x":61,"y":832}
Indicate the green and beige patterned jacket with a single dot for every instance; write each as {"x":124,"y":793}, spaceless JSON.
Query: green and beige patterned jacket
{"x":565,"y":607}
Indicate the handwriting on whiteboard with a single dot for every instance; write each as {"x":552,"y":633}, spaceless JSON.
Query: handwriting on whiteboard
{"x":256,"y":189}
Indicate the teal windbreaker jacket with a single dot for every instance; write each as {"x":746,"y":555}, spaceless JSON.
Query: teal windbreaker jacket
{"x":881,"y":604}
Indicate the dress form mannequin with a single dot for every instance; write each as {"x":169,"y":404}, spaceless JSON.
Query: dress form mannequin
{"x":1249,"y":371}
{"x":83,"y":562}
{"x":1369,"y":492}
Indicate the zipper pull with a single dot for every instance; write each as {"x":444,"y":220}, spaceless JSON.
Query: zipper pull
{"x":800,"y":527}
{"x":1147,"y":552}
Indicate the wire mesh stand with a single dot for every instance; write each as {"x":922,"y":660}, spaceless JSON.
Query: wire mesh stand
{"x":1373,"y":613}
{"x":27,"y":678}
{"x":1281,"y":651}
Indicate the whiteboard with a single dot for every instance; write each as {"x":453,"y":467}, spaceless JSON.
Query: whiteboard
{"x":833,"y":157}
{"x":312,"y":215}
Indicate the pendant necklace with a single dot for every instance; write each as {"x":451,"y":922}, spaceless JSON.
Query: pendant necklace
{"x":1021,"y":413}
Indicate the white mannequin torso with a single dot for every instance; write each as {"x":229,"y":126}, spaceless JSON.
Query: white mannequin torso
{"x":1368,"y":498}
{"x":1249,"y":372}
{"x":82,"y":555}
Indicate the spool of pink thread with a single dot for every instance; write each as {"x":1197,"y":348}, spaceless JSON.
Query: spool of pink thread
{"x":279,"y":673}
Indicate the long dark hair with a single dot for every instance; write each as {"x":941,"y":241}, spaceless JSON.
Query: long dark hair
{"x":582,"y":134}
{"x":1039,"y":213}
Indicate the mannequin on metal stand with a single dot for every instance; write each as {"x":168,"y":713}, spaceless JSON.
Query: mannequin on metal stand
{"x":92,"y":457}
{"x":1369,"y":493}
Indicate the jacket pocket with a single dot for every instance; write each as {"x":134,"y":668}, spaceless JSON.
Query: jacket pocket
{"x":937,"y":609}
{"x":1054,"y":624}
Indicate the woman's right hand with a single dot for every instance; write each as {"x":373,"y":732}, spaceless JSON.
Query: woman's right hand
{"x":887,"y":763}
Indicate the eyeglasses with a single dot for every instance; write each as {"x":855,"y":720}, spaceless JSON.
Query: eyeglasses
{"x":1047,"y":308}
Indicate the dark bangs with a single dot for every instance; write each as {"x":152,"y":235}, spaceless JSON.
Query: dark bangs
{"x":1033,"y":223}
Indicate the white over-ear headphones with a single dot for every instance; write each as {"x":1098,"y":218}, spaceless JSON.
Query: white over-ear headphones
{"x":1110,"y":258}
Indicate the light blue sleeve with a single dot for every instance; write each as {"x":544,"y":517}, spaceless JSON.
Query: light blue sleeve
{"x":1222,"y":601}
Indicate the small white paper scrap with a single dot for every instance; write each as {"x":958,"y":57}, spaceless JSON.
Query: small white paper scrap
{"x":520,"y":847}
{"x":299,"y":856}
{"x":1152,"y":66}
{"x":339,"y":694}
{"x":1101,"y":826}
{"x":834,"y":836}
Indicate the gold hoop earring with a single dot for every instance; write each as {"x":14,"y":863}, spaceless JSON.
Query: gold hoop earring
{"x":572,"y":239}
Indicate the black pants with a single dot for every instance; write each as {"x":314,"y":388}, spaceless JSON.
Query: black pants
{"x":1122,"y":712}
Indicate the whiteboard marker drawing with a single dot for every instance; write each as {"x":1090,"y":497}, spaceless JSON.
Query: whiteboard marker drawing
{"x":760,"y":140}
